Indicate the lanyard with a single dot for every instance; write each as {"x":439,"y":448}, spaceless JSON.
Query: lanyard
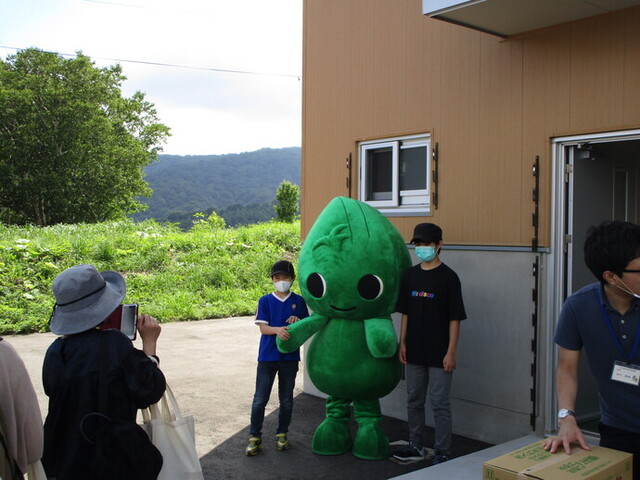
{"x":634,"y":349}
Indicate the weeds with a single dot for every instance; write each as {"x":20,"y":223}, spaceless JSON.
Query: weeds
{"x":208,"y":272}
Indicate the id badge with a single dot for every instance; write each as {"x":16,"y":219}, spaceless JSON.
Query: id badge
{"x":626,"y":373}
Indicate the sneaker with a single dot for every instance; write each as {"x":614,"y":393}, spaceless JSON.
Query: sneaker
{"x":254,"y":445}
{"x":282,"y":442}
{"x":409,"y":453}
{"x":438,"y":458}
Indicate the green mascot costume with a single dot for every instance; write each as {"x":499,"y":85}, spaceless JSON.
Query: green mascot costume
{"x":349,"y":272}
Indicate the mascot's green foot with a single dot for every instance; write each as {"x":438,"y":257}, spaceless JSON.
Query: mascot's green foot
{"x":332,"y":437}
{"x":371,"y":443}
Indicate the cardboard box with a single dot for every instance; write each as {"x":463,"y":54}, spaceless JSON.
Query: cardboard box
{"x":534,"y":463}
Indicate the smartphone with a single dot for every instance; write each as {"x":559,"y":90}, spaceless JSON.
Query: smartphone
{"x":123,"y":318}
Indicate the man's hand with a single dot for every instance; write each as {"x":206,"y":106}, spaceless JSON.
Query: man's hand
{"x":449,"y":362}
{"x":402,"y":353}
{"x":569,"y":432}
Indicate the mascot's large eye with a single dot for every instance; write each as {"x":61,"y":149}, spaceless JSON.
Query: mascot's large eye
{"x":370,"y":287}
{"x":316,"y":285}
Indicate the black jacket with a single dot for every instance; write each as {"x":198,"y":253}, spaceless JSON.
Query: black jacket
{"x":70,"y":378}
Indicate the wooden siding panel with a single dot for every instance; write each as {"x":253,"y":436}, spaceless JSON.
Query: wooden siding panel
{"x":362,"y":58}
{"x":631,"y":75}
{"x":597,"y":60}
{"x":546,"y":113}
{"x":500,"y":142}
{"x":423,"y":67}
{"x":388,"y":41}
{"x":458,"y":134}
{"x":323,"y":77}
{"x":378,"y":68}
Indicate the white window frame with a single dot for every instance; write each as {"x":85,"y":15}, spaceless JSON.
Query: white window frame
{"x":402,"y":202}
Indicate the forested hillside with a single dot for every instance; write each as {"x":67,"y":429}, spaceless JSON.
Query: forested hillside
{"x":240,"y":187}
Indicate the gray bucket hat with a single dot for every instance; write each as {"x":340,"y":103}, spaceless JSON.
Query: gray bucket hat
{"x":84,"y":298}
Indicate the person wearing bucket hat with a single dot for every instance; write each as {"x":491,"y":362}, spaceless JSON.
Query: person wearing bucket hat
{"x":84,"y":299}
{"x":275,"y":312}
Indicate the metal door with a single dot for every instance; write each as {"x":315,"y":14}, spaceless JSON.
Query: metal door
{"x":601,"y":178}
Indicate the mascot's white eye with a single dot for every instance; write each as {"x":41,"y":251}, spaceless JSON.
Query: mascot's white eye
{"x":370,"y":287}
{"x":316,"y":285}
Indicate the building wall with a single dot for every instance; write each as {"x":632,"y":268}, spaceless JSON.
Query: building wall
{"x":491,"y":394}
{"x":379,"y":68}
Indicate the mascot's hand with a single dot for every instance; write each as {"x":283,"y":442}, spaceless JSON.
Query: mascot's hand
{"x":381,"y":337}
{"x":300,"y":332}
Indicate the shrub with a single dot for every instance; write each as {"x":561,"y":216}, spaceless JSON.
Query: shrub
{"x":208,"y":272}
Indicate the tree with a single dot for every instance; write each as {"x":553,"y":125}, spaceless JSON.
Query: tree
{"x":72,"y":148}
{"x":287,"y":197}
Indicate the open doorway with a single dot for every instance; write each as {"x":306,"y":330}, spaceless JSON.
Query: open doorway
{"x":598,"y":179}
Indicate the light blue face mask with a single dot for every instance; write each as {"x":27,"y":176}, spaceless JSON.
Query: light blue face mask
{"x":426,"y":254}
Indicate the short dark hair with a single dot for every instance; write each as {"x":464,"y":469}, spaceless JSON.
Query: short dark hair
{"x":611,"y":246}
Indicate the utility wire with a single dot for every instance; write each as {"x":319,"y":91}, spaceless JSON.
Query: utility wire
{"x":142,"y":7}
{"x":119,"y":4}
{"x":171,"y":65}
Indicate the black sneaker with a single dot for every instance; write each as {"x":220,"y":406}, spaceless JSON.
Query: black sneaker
{"x":438,"y":458}
{"x":409,"y":453}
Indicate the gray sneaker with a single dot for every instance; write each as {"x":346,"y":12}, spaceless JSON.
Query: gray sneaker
{"x":409,"y":453}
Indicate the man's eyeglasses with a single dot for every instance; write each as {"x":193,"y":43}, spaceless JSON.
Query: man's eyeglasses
{"x":631,"y":271}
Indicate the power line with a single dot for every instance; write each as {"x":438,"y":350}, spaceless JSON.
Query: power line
{"x":118,"y":4}
{"x":141,"y":7}
{"x":171,"y":65}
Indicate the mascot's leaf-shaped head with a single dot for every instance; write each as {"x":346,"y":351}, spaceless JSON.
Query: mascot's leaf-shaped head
{"x":352,"y":261}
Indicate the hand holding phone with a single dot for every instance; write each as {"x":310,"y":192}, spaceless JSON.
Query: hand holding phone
{"x":149,"y":329}
{"x":123,"y":318}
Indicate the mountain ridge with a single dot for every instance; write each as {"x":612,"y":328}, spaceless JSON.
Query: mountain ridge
{"x":187,"y":184}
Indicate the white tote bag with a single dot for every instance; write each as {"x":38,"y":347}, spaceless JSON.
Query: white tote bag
{"x":35,"y":471}
{"x":174,"y":435}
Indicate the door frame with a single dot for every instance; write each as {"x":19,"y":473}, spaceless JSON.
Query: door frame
{"x":558,"y":260}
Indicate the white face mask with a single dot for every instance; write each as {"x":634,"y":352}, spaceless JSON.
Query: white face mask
{"x":282,"y":286}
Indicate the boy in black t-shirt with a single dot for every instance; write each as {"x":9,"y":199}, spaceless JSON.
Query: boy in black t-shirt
{"x":430,"y":301}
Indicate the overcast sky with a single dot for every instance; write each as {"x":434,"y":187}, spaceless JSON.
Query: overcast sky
{"x":208,"y":111}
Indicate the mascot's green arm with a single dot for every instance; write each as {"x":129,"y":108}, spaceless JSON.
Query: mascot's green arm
{"x":300,"y":332}
{"x":381,"y":337}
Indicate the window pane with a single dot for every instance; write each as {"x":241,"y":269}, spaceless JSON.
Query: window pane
{"x":413,"y":168}
{"x":379,"y":174}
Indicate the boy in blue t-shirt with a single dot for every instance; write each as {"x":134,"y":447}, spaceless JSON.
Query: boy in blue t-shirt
{"x":275,"y":312}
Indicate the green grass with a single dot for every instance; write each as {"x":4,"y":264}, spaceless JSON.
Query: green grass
{"x":208,"y":272}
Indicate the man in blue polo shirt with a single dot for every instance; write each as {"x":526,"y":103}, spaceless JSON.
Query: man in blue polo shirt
{"x":604,"y":319}
{"x":275,"y":312}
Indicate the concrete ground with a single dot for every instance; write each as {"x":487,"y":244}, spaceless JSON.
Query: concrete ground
{"x":210,"y":366}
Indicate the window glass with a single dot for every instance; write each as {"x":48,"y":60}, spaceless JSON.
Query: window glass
{"x":413,"y":168}
{"x":395,"y":174}
{"x":379,"y":178}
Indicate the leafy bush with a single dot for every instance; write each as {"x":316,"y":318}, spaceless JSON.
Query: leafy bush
{"x":287,"y":197}
{"x":208,"y":272}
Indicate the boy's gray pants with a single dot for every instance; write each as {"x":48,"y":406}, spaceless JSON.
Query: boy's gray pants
{"x":418,"y":378}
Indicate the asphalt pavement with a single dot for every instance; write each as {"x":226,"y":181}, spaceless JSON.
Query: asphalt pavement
{"x":210,"y":366}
